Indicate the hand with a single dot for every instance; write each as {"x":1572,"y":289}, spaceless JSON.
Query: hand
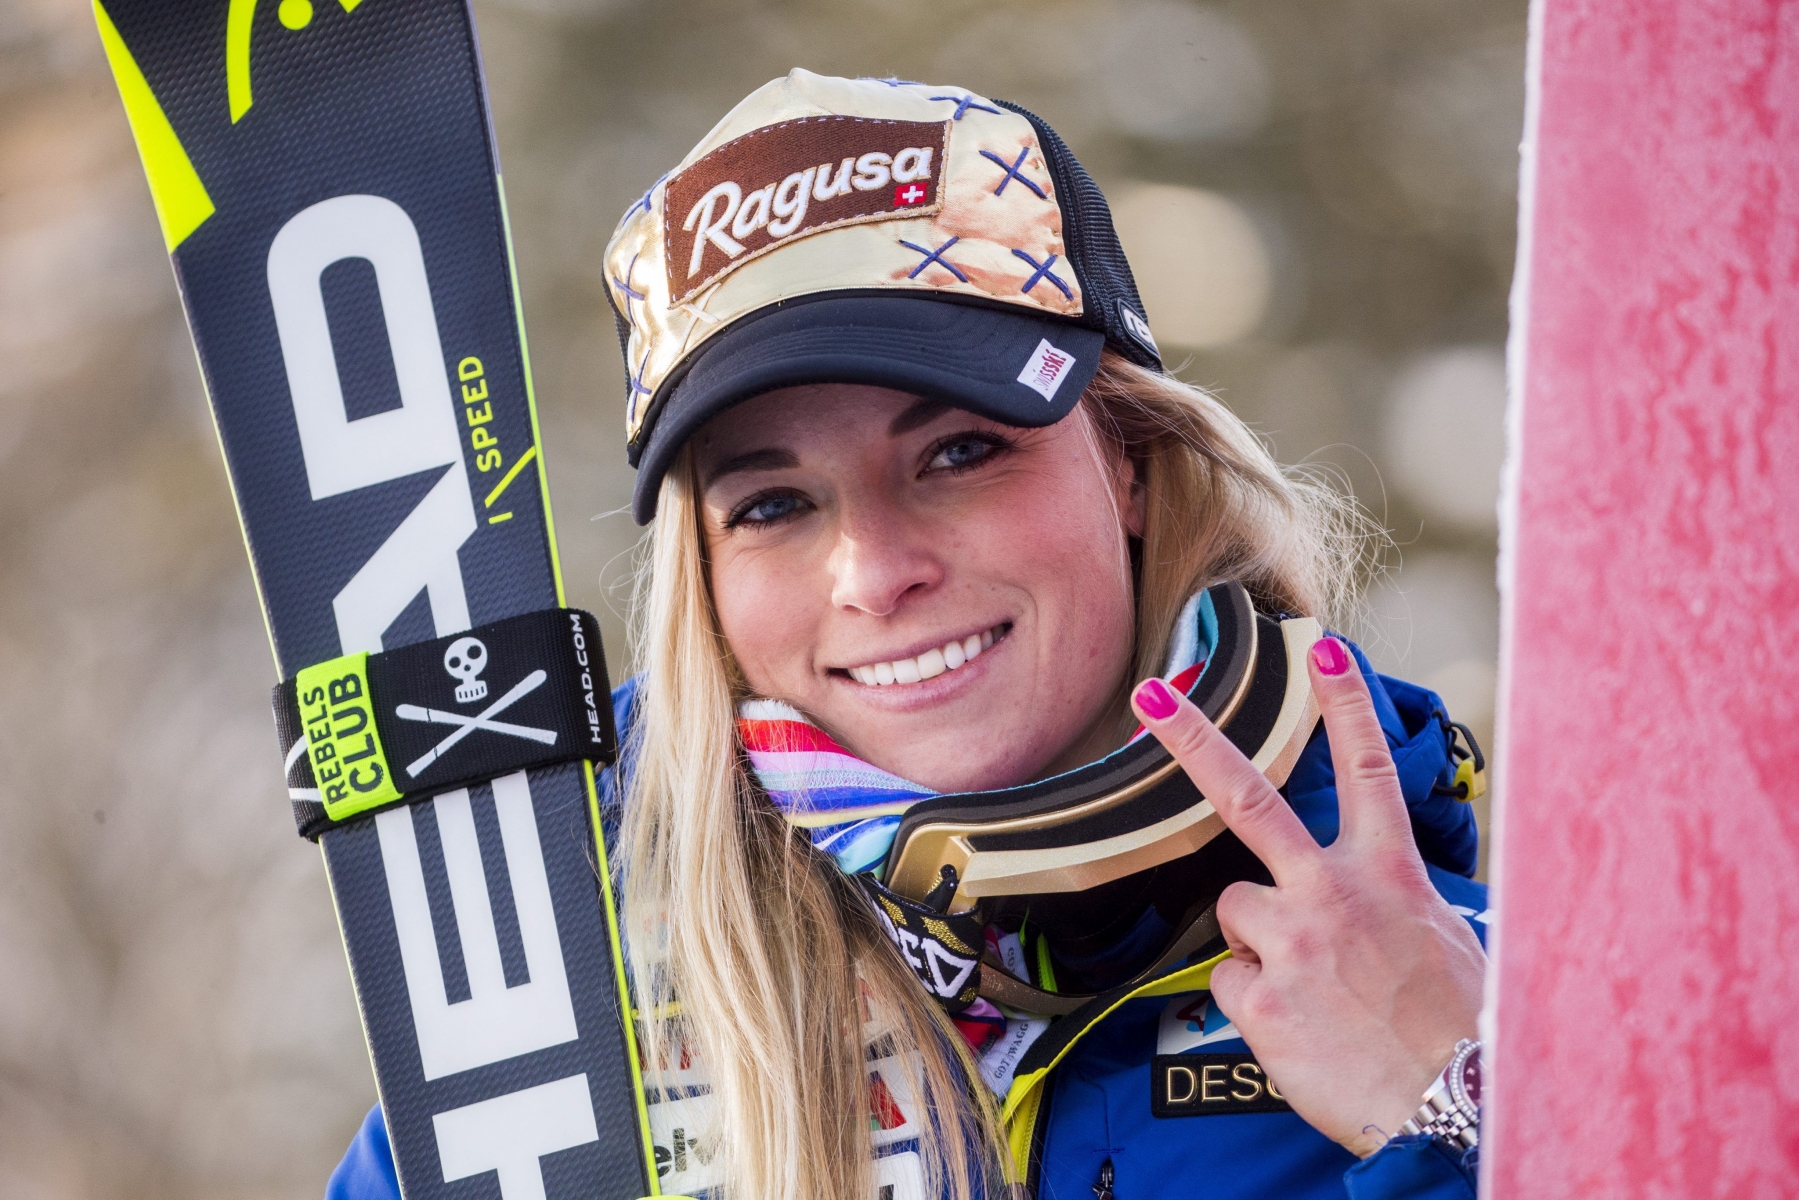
{"x":1350,"y":978}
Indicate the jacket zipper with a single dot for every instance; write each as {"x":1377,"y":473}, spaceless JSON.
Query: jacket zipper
{"x":1102,"y":1189}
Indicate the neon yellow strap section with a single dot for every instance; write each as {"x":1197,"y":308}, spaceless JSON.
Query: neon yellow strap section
{"x":1021,"y":1127}
{"x":339,"y":720}
{"x":181,"y":200}
{"x":1025,"y":1093}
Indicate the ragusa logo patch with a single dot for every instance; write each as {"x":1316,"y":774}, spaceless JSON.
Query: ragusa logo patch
{"x":782,"y":182}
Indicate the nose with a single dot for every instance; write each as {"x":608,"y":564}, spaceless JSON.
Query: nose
{"x":881,"y":557}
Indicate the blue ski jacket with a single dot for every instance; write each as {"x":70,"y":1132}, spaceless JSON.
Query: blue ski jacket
{"x":1092,"y":1125}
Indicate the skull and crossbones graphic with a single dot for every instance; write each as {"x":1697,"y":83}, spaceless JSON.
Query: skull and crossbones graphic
{"x":465,"y":659}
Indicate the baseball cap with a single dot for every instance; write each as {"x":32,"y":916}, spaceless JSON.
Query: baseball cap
{"x":875,"y":231}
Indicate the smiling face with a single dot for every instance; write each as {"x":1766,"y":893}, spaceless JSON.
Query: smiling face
{"x":949,"y":596}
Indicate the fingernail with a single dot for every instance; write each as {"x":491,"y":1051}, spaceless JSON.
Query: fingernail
{"x":1330,"y":656}
{"x":1155,"y":700}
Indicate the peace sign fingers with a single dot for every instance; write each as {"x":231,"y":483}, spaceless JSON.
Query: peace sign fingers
{"x":1242,"y":795}
{"x":1353,"y":979}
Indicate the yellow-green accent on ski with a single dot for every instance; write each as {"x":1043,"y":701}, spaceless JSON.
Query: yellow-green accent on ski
{"x":626,"y":1008}
{"x":593,"y":796}
{"x":543,"y":477}
{"x":182,"y":204}
{"x":523,"y":460}
{"x":238,"y":20}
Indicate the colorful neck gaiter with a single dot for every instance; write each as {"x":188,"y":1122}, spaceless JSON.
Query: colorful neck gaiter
{"x":852,"y":809}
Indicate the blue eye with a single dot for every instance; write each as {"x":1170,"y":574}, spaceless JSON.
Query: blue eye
{"x":961,"y":452}
{"x":773,"y":508}
{"x":766,"y":510}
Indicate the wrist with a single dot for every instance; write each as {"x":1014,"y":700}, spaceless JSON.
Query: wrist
{"x":1390,"y":1104}
{"x":1384,"y":1119}
{"x":1450,"y":1111}
{"x":1369,"y":1141}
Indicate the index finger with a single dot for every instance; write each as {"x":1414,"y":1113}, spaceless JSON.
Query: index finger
{"x":1370,"y":805}
{"x":1242,"y":795}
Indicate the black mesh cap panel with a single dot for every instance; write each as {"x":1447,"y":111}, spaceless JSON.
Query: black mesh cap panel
{"x":1093,"y":248}
{"x":624,"y":340}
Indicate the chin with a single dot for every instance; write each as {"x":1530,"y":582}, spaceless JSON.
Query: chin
{"x":955,"y":762}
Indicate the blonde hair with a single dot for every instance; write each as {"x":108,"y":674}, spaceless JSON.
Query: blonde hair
{"x":769,"y":954}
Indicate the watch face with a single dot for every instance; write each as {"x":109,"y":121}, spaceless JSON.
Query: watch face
{"x":1470,"y":1079}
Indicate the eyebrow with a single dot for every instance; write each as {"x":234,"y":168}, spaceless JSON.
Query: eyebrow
{"x":754,"y":460}
{"x":916,"y":415}
{"x":919,"y":414}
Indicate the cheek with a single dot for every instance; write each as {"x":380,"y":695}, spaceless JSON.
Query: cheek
{"x":1086,"y":584}
{"x":1071,"y":554}
{"x":764,"y":613}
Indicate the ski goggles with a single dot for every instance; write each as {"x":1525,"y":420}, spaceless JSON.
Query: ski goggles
{"x":960,"y":861}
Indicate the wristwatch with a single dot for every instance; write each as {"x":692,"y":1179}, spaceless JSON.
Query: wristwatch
{"x":1451,"y":1108}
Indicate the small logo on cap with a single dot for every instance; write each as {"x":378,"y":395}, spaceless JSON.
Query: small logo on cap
{"x":906,"y":195}
{"x":1138,"y":328}
{"x":1044,"y":371}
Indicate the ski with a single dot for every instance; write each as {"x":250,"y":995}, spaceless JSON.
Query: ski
{"x":326,"y":180}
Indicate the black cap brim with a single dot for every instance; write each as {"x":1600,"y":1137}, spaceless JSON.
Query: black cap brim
{"x":966,"y":355}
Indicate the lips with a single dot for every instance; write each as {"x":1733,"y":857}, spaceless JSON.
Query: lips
{"x":932,"y":663}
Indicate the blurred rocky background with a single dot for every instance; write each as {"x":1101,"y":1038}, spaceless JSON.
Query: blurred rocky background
{"x":1319,"y":199}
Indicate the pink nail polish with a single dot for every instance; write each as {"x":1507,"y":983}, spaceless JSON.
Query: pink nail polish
{"x":1155,"y":700}
{"x":1330,"y":656}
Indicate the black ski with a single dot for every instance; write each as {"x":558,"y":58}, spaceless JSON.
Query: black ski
{"x":327,"y":183}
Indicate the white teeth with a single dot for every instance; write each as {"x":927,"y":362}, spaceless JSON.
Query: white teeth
{"x":928,"y":665}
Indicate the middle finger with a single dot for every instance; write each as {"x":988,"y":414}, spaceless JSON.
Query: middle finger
{"x":1242,"y":795}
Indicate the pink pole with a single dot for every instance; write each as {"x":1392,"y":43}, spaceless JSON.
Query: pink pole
{"x":1645,"y":1001}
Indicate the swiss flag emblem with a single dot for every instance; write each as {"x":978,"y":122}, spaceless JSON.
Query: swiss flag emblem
{"x":908,"y":194}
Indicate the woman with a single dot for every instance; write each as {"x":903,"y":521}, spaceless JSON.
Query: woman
{"x":929,"y":520}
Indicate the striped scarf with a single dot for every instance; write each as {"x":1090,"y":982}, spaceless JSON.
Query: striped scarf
{"x":850,"y":806}
{"x":851,"y":812}
{"x":852,"y":809}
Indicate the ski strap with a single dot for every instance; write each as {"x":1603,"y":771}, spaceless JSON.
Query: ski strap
{"x":365,"y":731}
